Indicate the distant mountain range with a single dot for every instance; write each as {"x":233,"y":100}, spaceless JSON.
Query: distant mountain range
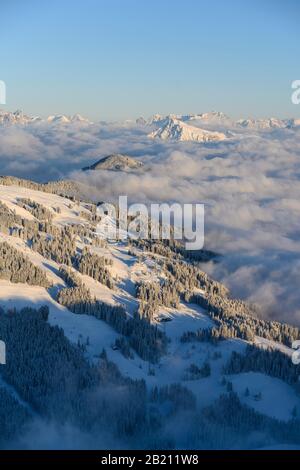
{"x":211,"y":117}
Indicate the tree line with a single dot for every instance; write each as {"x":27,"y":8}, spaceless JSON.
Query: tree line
{"x":146,"y":339}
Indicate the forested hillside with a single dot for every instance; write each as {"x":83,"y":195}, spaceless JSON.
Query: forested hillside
{"x":117,"y":341}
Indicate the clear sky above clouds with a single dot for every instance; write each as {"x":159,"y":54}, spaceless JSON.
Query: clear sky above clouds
{"x":115,"y":59}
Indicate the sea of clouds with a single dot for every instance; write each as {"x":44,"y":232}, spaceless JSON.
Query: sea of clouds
{"x":250,"y":185}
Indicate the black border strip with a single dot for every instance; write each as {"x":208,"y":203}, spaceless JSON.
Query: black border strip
{"x":96,"y":457}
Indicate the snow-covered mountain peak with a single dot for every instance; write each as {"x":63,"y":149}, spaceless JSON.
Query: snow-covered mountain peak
{"x":17,"y":117}
{"x":262,"y":124}
{"x":291,"y":123}
{"x":58,"y":118}
{"x":176,"y":130}
{"x":20,"y":118}
{"x":156,"y":119}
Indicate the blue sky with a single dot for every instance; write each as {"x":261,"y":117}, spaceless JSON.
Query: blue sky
{"x":115,"y":59}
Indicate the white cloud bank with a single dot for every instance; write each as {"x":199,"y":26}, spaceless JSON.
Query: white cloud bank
{"x":250,"y":185}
